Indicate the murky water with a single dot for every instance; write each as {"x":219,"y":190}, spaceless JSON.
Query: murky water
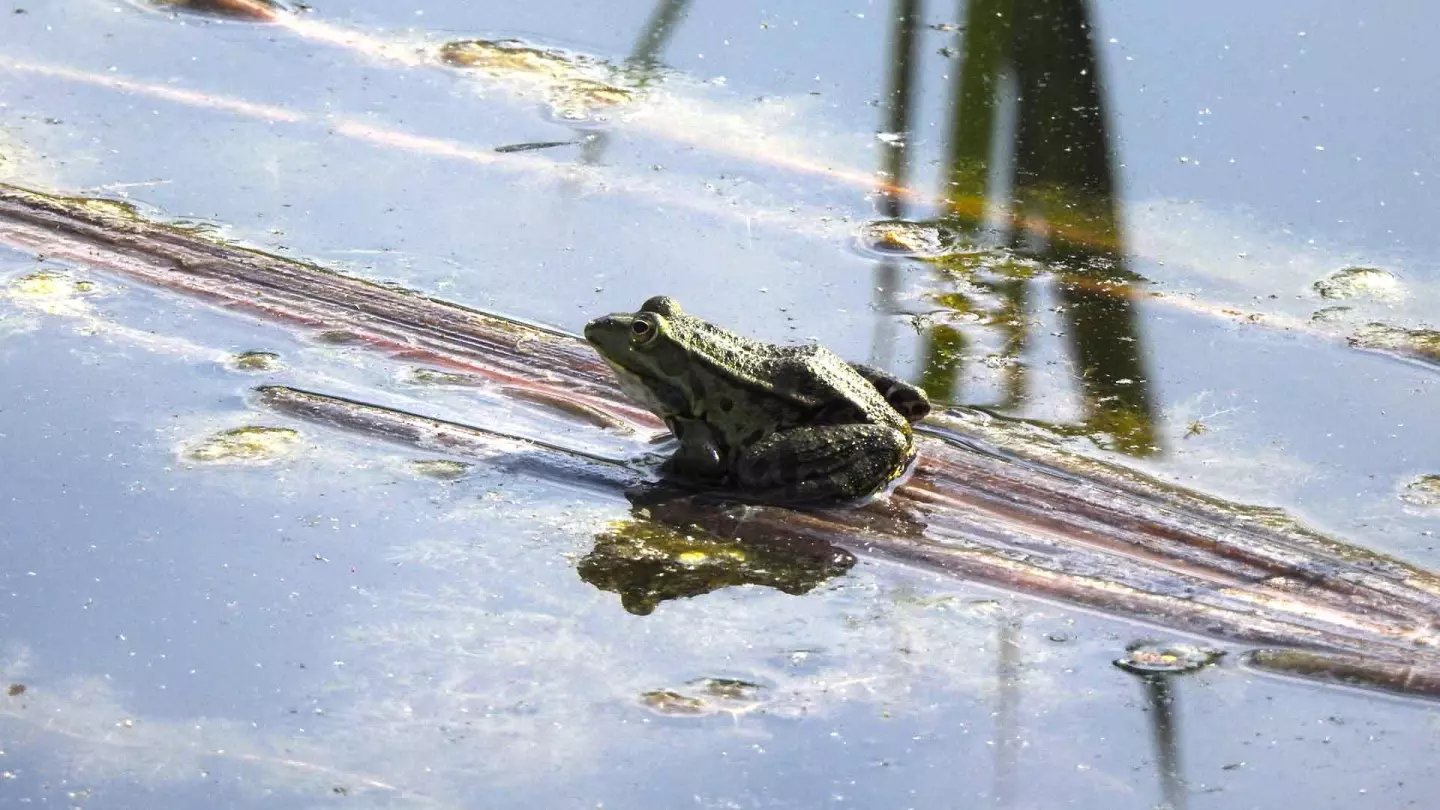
{"x":203,"y":602}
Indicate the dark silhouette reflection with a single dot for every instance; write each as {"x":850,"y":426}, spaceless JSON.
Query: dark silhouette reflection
{"x":680,"y":547}
{"x":1007,"y":708}
{"x":1030,"y":195}
{"x":1157,"y":664}
{"x":1160,"y":696}
{"x":641,"y":67}
{"x":893,"y":166}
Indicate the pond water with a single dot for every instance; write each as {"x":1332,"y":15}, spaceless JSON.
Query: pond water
{"x":304,"y":616}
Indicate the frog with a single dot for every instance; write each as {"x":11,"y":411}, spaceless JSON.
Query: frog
{"x":775,"y":423}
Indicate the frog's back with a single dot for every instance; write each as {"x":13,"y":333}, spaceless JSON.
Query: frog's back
{"x":804,"y":384}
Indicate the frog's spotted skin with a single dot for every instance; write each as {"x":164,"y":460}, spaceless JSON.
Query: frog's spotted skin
{"x":785,"y":423}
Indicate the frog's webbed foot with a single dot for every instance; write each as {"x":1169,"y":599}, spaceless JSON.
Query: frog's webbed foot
{"x":908,"y":399}
{"x":823,"y":463}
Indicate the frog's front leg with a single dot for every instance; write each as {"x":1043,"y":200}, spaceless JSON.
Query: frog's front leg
{"x":823,"y":462}
{"x":698,"y":457}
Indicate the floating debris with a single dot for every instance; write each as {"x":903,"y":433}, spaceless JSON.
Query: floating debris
{"x":245,"y":445}
{"x":338,"y":337}
{"x":532,"y":147}
{"x":256,"y":361}
{"x":1163,"y":658}
{"x":1423,"y":491}
{"x":1402,"y":677}
{"x":1422,"y":344}
{"x":440,"y":469}
{"x":432,"y":376}
{"x":248,"y":10}
{"x":15,"y":690}
{"x":1361,"y":282}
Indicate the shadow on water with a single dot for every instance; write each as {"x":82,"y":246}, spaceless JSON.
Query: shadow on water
{"x":1031,"y":209}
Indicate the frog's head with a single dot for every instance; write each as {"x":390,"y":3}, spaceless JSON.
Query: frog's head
{"x":649,"y":352}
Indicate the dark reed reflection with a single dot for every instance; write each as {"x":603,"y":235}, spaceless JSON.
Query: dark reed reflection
{"x":1029,"y":211}
{"x":1160,"y":704}
{"x":641,"y":67}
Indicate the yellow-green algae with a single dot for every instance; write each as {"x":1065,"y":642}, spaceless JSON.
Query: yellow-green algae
{"x":1423,"y":344}
{"x":1361,"y":282}
{"x":53,"y":292}
{"x":1423,"y":491}
{"x":440,"y":469}
{"x":256,"y":361}
{"x":50,"y":284}
{"x":575,"y":85}
{"x":704,"y":696}
{"x":252,"y":444}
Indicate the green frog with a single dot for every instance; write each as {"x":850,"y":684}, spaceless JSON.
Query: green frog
{"x":776,"y":423}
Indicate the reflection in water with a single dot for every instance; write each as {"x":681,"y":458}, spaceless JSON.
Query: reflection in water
{"x":893,"y":166}
{"x":1030,"y":188}
{"x":641,"y":67}
{"x":1161,"y":698}
{"x":651,"y":559}
{"x":1155,"y":664}
{"x":1007,"y":709}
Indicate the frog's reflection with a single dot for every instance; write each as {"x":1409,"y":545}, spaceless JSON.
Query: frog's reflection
{"x":679,"y":546}
{"x":1029,"y":212}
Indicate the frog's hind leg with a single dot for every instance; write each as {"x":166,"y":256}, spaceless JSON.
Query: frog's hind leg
{"x":908,"y":399}
{"x":823,"y":463}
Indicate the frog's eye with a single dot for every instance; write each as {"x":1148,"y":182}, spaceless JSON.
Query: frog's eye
{"x":642,"y":331}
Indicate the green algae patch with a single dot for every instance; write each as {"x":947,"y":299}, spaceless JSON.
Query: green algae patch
{"x":245,"y":445}
{"x":706,"y":696}
{"x":575,"y":85}
{"x":1423,"y":491}
{"x":1421,"y":344}
{"x":508,"y":57}
{"x":1361,"y":282}
{"x":50,"y":284}
{"x":898,"y":237}
{"x":1336,"y":314}
{"x":439,"y":469}
{"x":673,"y":704}
{"x":52,"y":292}
{"x":256,"y":361}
